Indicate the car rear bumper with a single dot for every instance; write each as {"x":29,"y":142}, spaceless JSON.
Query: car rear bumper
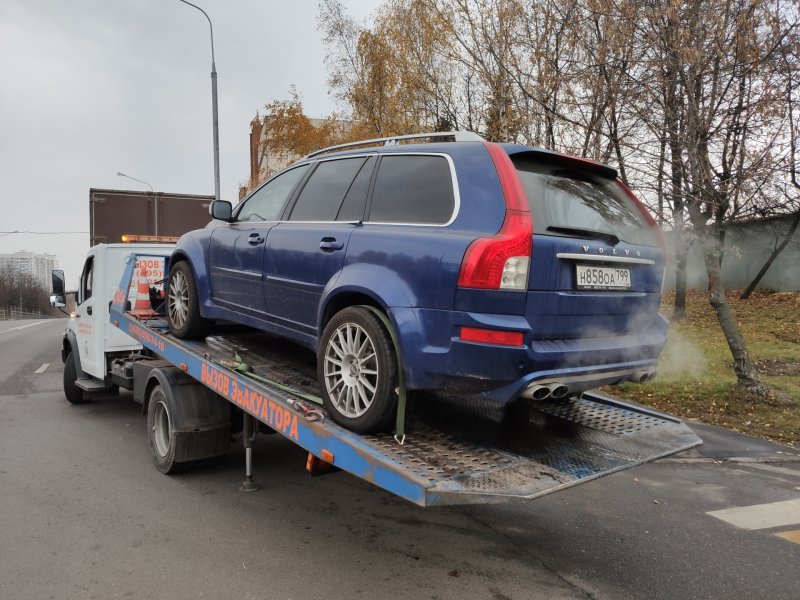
{"x":435,"y":357}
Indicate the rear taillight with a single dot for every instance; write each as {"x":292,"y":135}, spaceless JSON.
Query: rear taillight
{"x":491,"y":336}
{"x":645,"y":213}
{"x":502,"y":261}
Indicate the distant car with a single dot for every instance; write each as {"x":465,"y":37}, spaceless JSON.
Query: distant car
{"x":505,"y":271}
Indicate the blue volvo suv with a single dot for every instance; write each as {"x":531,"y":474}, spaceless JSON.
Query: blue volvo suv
{"x":505,"y":270}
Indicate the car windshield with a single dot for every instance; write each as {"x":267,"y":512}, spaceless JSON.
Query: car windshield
{"x":571,"y":202}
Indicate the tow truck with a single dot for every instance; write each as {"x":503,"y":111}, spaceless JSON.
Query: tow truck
{"x":198,"y":395}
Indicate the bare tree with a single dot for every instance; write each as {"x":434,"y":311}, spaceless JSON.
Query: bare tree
{"x":792,"y":189}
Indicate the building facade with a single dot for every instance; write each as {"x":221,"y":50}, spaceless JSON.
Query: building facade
{"x":38,"y":266}
{"x":265,"y":160}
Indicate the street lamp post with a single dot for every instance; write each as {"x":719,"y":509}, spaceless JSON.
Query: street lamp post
{"x":139,"y":180}
{"x":155,"y":200}
{"x":214,"y":112}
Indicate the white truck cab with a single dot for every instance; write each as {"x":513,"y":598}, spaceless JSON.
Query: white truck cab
{"x":90,"y":340}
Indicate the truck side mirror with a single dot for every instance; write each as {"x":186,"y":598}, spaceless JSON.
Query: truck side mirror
{"x":58,"y":282}
{"x":222,"y":210}
{"x":57,"y":301}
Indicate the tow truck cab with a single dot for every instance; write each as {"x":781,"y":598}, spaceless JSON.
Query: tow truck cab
{"x":89,"y":337}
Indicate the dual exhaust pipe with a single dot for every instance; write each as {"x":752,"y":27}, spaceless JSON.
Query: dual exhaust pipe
{"x":643,"y":376}
{"x":543,"y":392}
{"x":557,"y":390}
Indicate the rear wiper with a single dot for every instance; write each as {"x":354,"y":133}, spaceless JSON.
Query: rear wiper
{"x":588,"y":233}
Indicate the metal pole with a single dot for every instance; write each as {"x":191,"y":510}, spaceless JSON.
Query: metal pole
{"x":216,"y":127}
{"x":215,"y":115}
{"x":248,"y":434}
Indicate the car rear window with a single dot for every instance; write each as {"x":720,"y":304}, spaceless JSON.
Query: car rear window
{"x":571,"y":202}
{"x":413,"y":189}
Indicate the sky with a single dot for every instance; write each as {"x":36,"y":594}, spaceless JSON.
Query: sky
{"x":92,"y":87}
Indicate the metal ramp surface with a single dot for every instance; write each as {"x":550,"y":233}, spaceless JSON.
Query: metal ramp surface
{"x":466,"y":449}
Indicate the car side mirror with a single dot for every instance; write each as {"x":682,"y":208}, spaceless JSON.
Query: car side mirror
{"x":222,"y":210}
{"x":58,"y":282}
{"x":57,"y":301}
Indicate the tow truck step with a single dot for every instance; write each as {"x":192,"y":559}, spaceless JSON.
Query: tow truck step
{"x":90,"y":385}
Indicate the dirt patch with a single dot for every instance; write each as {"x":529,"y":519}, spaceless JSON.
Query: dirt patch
{"x":793,"y":337}
{"x":774,"y":367}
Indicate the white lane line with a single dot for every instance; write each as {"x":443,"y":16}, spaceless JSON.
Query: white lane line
{"x":42,"y":369}
{"x":761,"y":516}
{"x":42,"y":322}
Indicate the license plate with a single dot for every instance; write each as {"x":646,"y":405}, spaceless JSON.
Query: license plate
{"x":602,"y":278}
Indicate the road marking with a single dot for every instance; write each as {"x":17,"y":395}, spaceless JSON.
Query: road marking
{"x":792,"y":536}
{"x":761,"y":516}
{"x":42,"y":369}
{"x":24,"y":326}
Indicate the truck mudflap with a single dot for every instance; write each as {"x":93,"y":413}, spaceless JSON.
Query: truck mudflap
{"x":457,"y":450}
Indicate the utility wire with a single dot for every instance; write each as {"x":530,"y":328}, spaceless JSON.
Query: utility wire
{"x":5,"y":233}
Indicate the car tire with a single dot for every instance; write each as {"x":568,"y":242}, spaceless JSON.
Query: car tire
{"x":357,"y":371}
{"x":73,"y":393}
{"x":183,"y":307}
{"x":161,"y":434}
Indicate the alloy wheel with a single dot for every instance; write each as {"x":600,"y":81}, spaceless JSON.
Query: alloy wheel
{"x":351,"y":370}
{"x":178,"y":299}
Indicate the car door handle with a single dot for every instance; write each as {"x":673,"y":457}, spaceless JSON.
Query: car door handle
{"x":329,"y":243}
{"x":88,"y":310}
{"x":255,"y":239}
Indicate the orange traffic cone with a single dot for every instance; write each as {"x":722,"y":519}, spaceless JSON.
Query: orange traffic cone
{"x":142,"y":306}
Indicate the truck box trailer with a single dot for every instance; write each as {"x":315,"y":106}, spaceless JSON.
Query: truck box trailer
{"x":114,"y":213}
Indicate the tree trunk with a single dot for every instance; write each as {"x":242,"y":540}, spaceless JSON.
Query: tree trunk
{"x":778,"y":249}
{"x":746,"y":372}
{"x":681,"y":256}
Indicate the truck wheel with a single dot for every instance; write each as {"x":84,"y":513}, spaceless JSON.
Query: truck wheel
{"x":161,"y":433}
{"x":357,"y":371}
{"x":73,"y":393}
{"x":183,"y":309}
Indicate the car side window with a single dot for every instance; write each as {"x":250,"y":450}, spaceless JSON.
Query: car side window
{"x":86,"y":280}
{"x":412,"y":189}
{"x":268,"y":201}
{"x":352,"y":208}
{"x":325,"y":190}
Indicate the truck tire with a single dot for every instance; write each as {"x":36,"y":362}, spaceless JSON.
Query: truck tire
{"x":73,"y":393}
{"x":161,"y":433}
{"x":357,"y":371}
{"x":183,"y":308}
{"x":187,"y":424}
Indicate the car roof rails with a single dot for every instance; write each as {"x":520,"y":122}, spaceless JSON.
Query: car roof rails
{"x":457,"y":136}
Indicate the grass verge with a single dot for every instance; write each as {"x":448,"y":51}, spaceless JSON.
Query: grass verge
{"x":696,"y":379}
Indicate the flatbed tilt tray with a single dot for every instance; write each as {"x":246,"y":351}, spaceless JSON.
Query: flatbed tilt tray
{"x":456,"y":450}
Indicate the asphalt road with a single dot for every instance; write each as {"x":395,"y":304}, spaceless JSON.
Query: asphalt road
{"x":84,"y":514}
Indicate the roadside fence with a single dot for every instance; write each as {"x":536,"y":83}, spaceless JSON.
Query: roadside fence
{"x":13,"y":313}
